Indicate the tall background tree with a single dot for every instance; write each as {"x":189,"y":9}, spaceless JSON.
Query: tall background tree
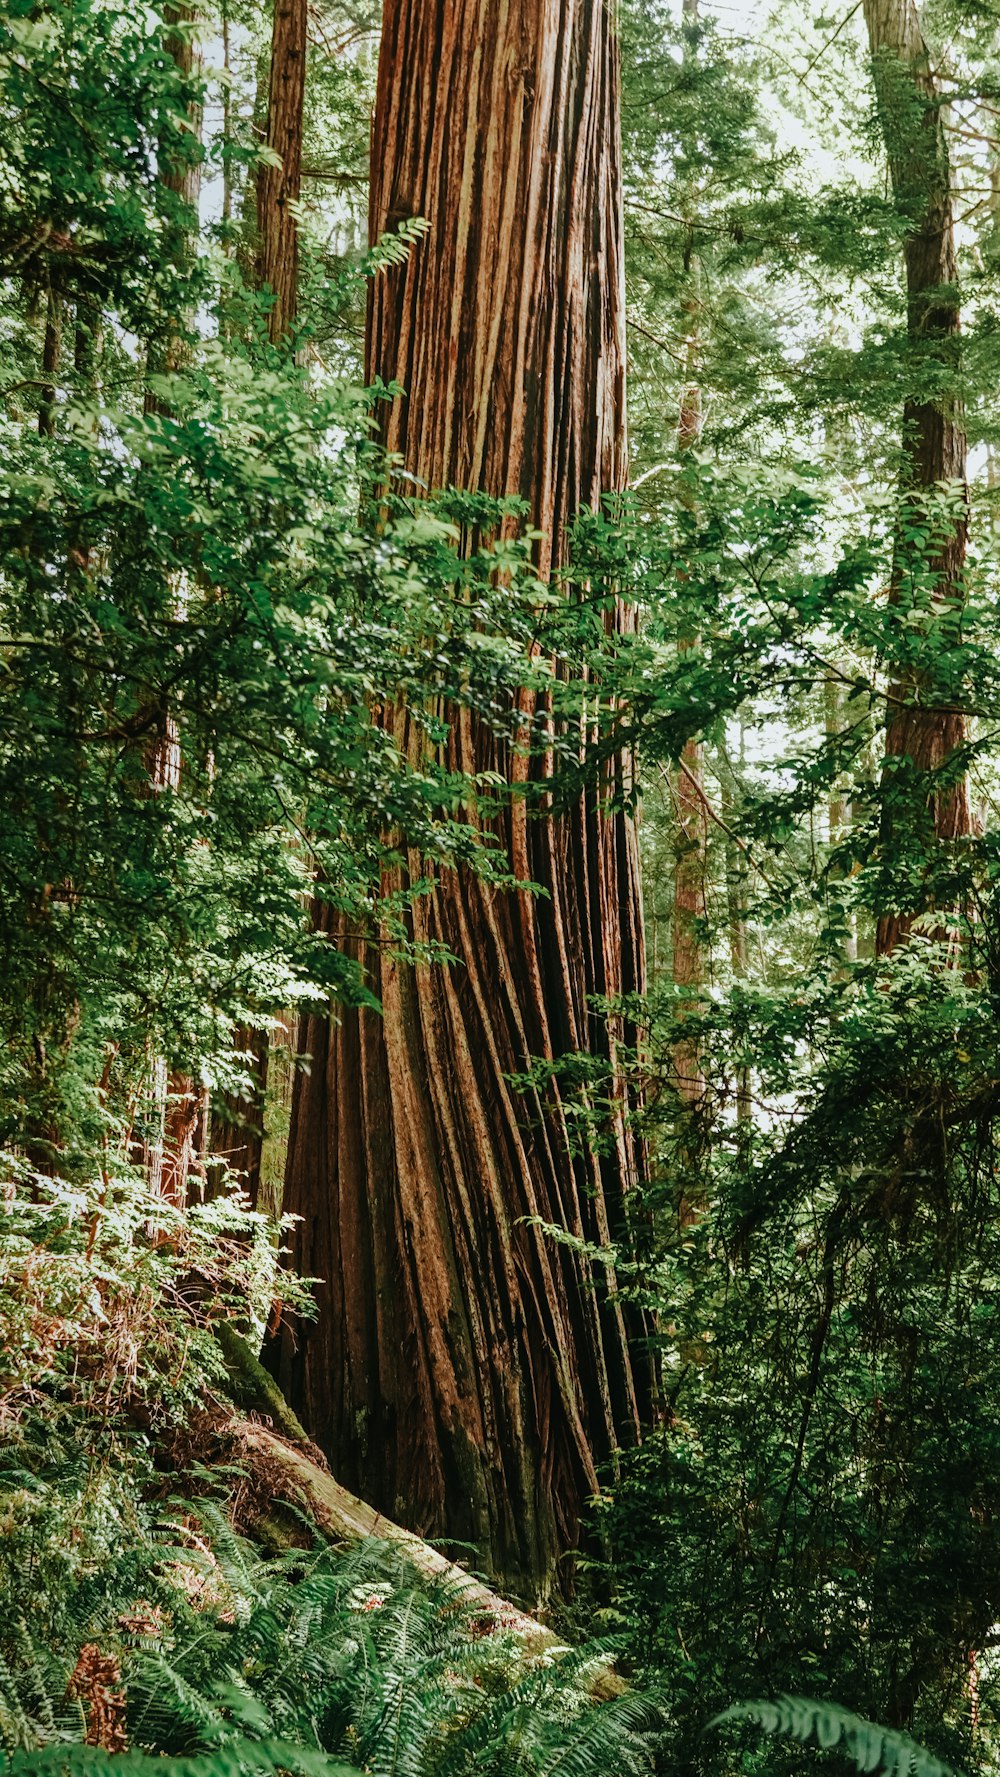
{"x":925,"y":763}
{"x":690,"y":870}
{"x":239,"y":1127}
{"x":279,"y":177}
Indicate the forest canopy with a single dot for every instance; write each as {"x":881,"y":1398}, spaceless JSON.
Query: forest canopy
{"x":499,"y":887}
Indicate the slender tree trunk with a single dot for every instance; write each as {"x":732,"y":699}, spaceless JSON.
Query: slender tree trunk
{"x":736,"y":908}
{"x":691,"y":863}
{"x":176,"y":1101}
{"x":171,"y":1148}
{"x":227,"y":133}
{"x":51,"y":353}
{"x":468,"y":1374}
{"x":838,"y":807}
{"x":279,"y":186}
{"x":690,"y":906}
{"x":691,"y":855}
{"x":87,"y":343}
{"x":238,"y":1128}
{"x":279,"y":1080}
{"x":920,"y":739}
{"x":690,"y":868}
{"x":933,"y":430}
{"x":180,"y":171}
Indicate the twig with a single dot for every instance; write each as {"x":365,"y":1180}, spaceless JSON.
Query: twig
{"x":824,"y":47}
{"x":719,"y":822}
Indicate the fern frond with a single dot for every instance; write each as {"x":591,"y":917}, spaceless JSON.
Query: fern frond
{"x":34,"y":1707}
{"x":240,"y":1758}
{"x":166,"y":1710}
{"x":224,"y":1657}
{"x":874,"y":1749}
{"x":611,"y":1736}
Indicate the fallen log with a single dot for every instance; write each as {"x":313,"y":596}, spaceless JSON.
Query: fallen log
{"x":286,"y":1470}
{"x":295,"y":1479}
{"x":285,"y":1464}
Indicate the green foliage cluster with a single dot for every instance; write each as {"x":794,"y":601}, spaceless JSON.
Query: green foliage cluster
{"x":872,"y":1748}
{"x":194,"y":595}
{"x":816,"y":1513}
{"x":203,"y":596}
{"x":817,"y":1249}
{"x":819,"y":1509}
{"x":218,"y":1661}
{"x":139,"y":1629}
{"x":110,"y":1296}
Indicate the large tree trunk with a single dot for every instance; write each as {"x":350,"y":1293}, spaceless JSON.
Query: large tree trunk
{"x":279,"y":187}
{"x":933,"y":430}
{"x":468,"y":1374}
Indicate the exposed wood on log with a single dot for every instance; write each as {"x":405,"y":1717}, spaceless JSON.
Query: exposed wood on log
{"x":299,"y":1481}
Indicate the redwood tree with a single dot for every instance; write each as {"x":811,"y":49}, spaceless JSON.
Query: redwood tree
{"x":920,"y":737}
{"x":179,"y":1108}
{"x":691,"y":866}
{"x":468,"y":1374}
{"x":238,"y":1128}
{"x":279,"y":180}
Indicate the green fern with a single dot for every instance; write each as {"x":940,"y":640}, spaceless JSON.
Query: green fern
{"x":241,"y":1758}
{"x":227,"y":1659}
{"x":873,"y":1748}
{"x":34,"y":1707}
{"x":356,"y":1655}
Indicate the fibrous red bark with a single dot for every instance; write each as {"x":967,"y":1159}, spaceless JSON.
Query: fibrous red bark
{"x":468,"y":1375}
{"x":279,"y":185}
{"x":922,"y":736}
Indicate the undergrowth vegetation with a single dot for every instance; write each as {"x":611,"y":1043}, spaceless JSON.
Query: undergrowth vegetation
{"x":137,"y":1620}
